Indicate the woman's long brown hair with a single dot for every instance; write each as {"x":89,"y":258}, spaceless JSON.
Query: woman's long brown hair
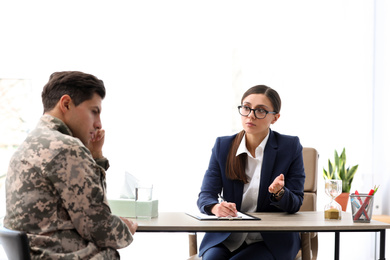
{"x":235,"y":165}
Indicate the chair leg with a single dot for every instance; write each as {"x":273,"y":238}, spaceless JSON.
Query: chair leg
{"x":306,"y":245}
{"x":314,"y":247}
{"x":193,"y":244}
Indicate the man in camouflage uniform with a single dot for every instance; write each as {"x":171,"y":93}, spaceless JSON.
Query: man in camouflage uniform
{"x":56,"y":185}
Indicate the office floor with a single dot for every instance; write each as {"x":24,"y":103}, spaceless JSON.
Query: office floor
{"x":157,"y":246}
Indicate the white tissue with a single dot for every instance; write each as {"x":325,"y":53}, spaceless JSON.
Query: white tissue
{"x":128,"y":188}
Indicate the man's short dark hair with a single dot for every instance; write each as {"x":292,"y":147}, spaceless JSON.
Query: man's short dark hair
{"x":78,"y":85}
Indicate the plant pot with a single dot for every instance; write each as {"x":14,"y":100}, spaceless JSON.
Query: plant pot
{"x":343,"y":200}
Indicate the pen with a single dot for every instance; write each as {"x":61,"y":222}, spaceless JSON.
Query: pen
{"x":230,"y":217}
{"x":220,"y":198}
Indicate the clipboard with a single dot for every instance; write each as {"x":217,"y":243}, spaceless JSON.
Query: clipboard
{"x":240,"y":216}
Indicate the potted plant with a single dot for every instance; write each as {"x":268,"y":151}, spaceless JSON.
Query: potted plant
{"x":337,"y":171}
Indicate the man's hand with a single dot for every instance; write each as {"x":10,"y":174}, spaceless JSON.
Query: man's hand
{"x":132,"y":225}
{"x":95,"y":145}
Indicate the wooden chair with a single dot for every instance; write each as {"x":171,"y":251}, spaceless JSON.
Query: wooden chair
{"x":309,"y":240}
{"x":15,"y":244}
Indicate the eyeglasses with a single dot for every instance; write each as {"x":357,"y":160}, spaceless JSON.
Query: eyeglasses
{"x":259,"y":112}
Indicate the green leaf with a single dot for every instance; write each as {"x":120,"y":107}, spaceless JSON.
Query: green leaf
{"x":337,"y":170}
{"x":336,"y":159}
{"x":351,"y":172}
{"x":341,"y":172}
{"x":343,"y":155}
{"x":331,"y":169}
{"x":325,"y":174}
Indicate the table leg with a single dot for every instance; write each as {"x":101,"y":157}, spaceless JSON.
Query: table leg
{"x":193,"y":244}
{"x":382,"y":244}
{"x":336,"y":245}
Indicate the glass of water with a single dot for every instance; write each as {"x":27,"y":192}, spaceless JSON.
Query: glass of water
{"x":143,"y":201}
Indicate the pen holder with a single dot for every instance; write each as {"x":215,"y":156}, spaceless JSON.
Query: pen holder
{"x":361,"y":206}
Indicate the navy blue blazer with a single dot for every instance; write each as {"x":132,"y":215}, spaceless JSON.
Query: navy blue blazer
{"x":282,"y":154}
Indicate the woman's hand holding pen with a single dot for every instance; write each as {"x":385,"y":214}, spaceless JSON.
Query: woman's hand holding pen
{"x":224,"y":209}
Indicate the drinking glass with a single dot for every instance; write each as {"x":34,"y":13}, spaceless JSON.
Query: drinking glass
{"x":143,"y":201}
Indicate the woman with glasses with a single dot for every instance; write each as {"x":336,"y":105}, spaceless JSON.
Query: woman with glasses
{"x":256,"y":170}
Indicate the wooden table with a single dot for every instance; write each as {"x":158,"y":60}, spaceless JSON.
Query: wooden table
{"x":270,"y":222}
{"x":382,"y":218}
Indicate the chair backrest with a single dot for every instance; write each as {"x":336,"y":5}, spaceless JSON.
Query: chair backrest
{"x":15,"y":244}
{"x":310,"y":161}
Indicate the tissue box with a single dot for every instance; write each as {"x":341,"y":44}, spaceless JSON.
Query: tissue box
{"x":126,"y":207}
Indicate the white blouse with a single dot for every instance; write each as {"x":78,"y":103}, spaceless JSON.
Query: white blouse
{"x":250,"y":194}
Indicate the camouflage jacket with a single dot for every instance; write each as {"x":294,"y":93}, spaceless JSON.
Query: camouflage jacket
{"x":56,"y":192}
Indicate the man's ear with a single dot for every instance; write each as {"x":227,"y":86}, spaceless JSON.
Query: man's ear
{"x":65,"y":102}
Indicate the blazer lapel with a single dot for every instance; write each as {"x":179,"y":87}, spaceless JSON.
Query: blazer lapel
{"x":238,"y":192}
{"x":267,"y":176}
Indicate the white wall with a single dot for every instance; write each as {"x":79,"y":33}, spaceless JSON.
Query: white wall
{"x":175,"y":71}
{"x":381,"y":111}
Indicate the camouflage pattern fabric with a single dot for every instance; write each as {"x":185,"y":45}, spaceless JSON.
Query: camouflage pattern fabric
{"x":56,"y":192}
